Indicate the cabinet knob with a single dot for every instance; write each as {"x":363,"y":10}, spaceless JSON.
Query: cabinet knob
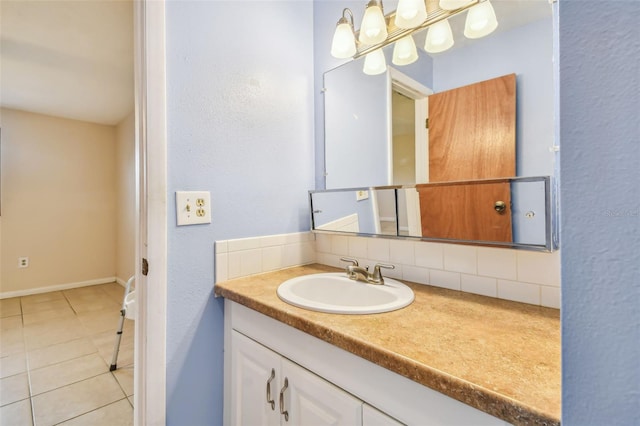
{"x":269,"y":399}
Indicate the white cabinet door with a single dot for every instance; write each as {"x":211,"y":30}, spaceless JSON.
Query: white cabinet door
{"x":374,"y":417}
{"x":254,"y":368}
{"x":311,"y":400}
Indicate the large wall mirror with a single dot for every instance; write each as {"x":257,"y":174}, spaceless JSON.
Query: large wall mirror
{"x":514,"y":212}
{"x":374,"y":125}
{"x":412,"y":125}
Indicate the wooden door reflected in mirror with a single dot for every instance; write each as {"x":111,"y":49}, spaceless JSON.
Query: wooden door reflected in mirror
{"x":472,"y":135}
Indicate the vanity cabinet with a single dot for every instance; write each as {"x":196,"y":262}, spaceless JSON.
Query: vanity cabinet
{"x":324,"y":384}
{"x":268,"y":389}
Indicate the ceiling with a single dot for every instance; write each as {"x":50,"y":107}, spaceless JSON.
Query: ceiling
{"x":71,"y":59}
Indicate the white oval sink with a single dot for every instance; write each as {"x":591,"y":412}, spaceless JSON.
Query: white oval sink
{"x":335,"y":293}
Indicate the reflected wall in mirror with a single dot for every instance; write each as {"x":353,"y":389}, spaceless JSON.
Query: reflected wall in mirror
{"x":359,"y":123}
{"x":367,"y":211}
{"x":501,"y":212}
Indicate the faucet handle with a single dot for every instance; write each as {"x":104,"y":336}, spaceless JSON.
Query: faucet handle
{"x":383,"y":265}
{"x":354,"y":262}
{"x":376,"y":276}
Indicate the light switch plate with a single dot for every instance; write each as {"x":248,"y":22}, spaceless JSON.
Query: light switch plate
{"x":193,"y":207}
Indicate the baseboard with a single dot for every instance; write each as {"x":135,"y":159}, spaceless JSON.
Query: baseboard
{"x":58,"y":287}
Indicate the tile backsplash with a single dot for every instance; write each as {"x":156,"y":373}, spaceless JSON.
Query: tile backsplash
{"x":519,"y":275}
{"x":249,"y":256}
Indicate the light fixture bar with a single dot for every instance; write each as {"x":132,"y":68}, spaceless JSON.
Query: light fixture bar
{"x":396,"y":33}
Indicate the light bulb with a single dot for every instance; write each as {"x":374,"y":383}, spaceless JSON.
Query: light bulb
{"x":481,"y":20}
{"x":439,"y":37}
{"x":374,"y":28}
{"x":374,"y":63}
{"x":452,"y":4}
{"x":410,"y":13}
{"x":404,"y":51}
{"x":344,"y":41}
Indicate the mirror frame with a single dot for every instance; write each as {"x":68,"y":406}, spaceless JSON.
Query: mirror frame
{"x":551,"y":234}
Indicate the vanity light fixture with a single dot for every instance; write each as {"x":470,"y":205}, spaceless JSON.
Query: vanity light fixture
{"x":344,"y":39}
{"x":378,"y":30}
{"x":410,"y":13}
{"x":481,"y":20}
{"x":439,"y":37}
{"x":404,"y":51}
{"x":374,"y":27}
{"x":452,"y":4}
{"x":374,"y":63}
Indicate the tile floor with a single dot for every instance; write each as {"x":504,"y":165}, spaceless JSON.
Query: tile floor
{"x":55,"y":352}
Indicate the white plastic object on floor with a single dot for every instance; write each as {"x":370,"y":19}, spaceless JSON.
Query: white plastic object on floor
{"x":130,"y":306}
{"x":129,"y":311}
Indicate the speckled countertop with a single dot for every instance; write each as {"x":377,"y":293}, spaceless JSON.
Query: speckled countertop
{"x":499,"y":356}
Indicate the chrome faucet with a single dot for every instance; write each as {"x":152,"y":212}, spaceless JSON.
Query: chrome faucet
{"x":358,"y":273}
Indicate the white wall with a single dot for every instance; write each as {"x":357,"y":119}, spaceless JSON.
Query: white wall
{"x":58,"y":202}
{"x":125,"y":157}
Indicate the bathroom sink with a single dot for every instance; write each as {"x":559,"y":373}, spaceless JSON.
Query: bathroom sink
{"x":335,"y":293}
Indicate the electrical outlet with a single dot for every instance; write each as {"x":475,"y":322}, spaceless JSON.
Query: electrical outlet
{"x":23,"y":262}
{"x":193,"y":207}
{"x":362,"y":195}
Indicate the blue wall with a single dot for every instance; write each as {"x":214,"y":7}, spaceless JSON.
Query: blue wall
{"x":600,"y":196}
{"x":240,"y":124}
{"x":526,"y":51}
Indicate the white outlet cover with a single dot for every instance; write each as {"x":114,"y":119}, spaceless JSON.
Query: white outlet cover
{"x":362,"y":195}
{"x":187,"y":207}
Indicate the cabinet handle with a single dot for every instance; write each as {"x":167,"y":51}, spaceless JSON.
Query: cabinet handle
{"x":269,"y":399}
{"x":284,"y":412}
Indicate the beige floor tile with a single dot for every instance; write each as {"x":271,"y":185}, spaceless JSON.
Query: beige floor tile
{"x":14,"y":388}
{"x":89,"y":289}
{"x":10,"y":307}
{"x":130,"y":398}
{"x":61,"y":352}
{"x":107,"y":346}
{"x":119,"y":413}
{"x":16,"y":414}
{"x":83,"y":297}
{"x":11,"y":341}
{"x":124,"y":376}
{"x":100,"y":321}
{"x":49,"y":333}
{"x":84,"y":291}
{"x":42,"y":297}
{"x":9,"y":323}
{"x":67,"y":372}
{"x":115,"y":292}
{"x":11,"y":365}
{"x":103,"y":303}
{"x":50,"y":305}
{"x":41,"y":316}
{"x":125,"y":356}
{"x":107,"y":338}
{"x":74,"y":400}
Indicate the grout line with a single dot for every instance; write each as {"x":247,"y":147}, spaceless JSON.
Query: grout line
{"x":70,"y":304}
{"x":90,"y":411}
{"x":26,"y":361}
